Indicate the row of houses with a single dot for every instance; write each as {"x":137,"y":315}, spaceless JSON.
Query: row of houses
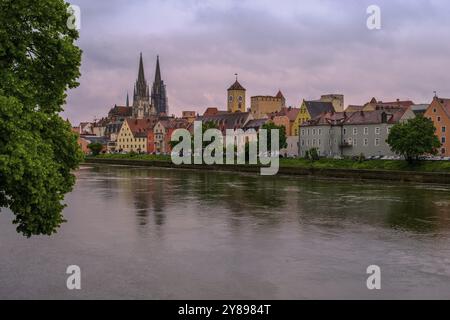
{"x":363,"y":130}
{"x":323,"y":124}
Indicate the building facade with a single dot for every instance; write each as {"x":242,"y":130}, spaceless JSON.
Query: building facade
{"x":159,"y":138}
{"x":311,"y":109}
{"x":439,"y":112}
{"x":132,"y":136}
{"x":262,"y":106}
{"x":339,"y":134}
{"x":236,"y":97}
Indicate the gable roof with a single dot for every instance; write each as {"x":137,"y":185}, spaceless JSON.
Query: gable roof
{"x":175,"y":123}
{"x":393,"y":104}
{"x":353,"y":108}
{"x":375,"y":117}
{"x":315,"y":108}
{"x":229,"y":120}
{"x":255,"y":123}
{"x":445,"y":103}
{"x":279,"y":95}
{"x":358,"y":118}
{"x":236,"y":86}
{"x":289,"y":112}
{"x":139,"y":127}
{"x":120,"y":111}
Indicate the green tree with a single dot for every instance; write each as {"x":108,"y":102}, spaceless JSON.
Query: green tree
{"x":414,"y":138}
{"x":282,"y":135}
{"x":95,"y":148}
{"x":38,"y":150}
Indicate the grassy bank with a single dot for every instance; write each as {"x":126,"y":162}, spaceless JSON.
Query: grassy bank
{"x":389,"y":165}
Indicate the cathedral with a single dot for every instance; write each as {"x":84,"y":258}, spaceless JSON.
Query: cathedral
{"x":146,"y":103}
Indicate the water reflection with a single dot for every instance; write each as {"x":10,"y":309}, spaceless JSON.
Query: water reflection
{"x":158,"y":233}
{"x":273,"y":200}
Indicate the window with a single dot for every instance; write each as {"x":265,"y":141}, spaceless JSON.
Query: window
{"x":303,"y":132}
{"x":231,"y":98}
{"x":366,"y":142}
{"x":354,"y":142}
{"x":345,"y":131}
{"x":377,"y":130}
{"x":314,"y":142}
{"x":443,"y":150}
{"x":366,"y":131}
{"x":240,"y":98}
{"x":319,"y":142}
{"x":307,"y":143}
{"x":307,"y":132}
{"x":355,"y":131}
{"x":303,"y":143}
{"x":434,"y":110}
{"x":319,"y":131}
{"x":350,"y":141}
{"x":377,"y":142}
{"x":443,"y":129}
{"x":439,"y":119}
{"x":314,"y":132}
{"x":443,"y":139}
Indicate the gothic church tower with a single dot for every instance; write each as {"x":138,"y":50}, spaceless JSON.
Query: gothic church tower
{"x":159,"y":95}
{"x":141,"y":96}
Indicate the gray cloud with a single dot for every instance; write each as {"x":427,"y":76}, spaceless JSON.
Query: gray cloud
{"x":304,"y":48}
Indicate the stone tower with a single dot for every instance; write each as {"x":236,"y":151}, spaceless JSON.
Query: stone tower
{"x":159,"y":95}
{"x":236,"y":97}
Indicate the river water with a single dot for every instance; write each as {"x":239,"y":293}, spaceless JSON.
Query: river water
{"x":143,"y":233}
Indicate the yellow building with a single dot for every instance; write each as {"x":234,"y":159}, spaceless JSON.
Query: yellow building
{"x":236,"y":98}
{"x":262,"y":106}
{"x":133,"y":135}
{"x":311,"y":109}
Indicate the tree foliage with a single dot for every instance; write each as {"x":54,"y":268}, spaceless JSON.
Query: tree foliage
{"x":38,"y":151}
{"x":282,"y":135}
{"x":414,"y":138}
{"x":95,"y":148}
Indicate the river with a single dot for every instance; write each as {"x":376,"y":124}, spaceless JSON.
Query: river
{"x":147,"y":233}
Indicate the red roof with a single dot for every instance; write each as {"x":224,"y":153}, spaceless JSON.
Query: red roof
{"x":289,"y":112}
{"x":139,"y":127}
{"x":445,"y":103}
{"x":279,"y":95}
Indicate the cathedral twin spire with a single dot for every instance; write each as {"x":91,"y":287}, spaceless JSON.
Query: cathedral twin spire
{"x":144,"y":104}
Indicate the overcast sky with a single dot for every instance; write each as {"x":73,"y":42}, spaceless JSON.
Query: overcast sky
{"x":304,"y":48}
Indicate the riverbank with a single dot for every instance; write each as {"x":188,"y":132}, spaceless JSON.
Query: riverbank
{"x":391,"y":170}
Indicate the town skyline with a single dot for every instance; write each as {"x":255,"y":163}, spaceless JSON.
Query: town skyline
{"x":200,"y":55}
